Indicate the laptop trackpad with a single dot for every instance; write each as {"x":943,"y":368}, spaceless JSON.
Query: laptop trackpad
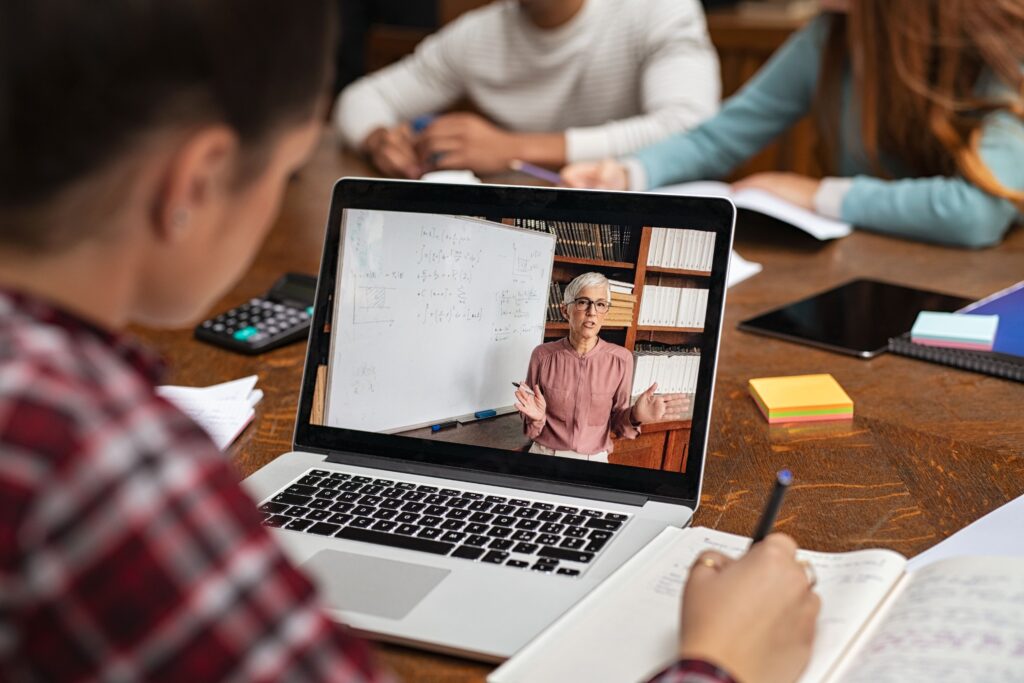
{"x":372,"y":585}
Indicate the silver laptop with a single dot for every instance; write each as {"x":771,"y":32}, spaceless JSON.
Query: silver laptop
{"x":411,"y":496}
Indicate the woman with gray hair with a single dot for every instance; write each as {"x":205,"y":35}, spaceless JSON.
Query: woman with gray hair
{"x":577,"y":389}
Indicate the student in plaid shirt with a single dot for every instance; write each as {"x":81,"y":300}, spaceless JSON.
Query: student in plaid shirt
{"x":144,"y":149}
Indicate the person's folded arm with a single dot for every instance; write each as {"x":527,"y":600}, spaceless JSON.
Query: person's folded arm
{"x":946,"y":210}
{"x":679,"y":86}
{"x":427,"y":81}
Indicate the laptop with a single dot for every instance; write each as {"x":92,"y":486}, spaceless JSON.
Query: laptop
{"x":411,"y":496}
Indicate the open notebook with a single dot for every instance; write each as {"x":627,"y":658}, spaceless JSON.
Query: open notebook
{"x":959,"y":619}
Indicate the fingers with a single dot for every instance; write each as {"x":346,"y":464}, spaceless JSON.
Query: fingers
{"x":710,"y":561}
{"x":649,"y":391}
{"x":536,"y":390}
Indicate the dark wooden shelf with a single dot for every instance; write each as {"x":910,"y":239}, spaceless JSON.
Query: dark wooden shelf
{"x":657,"y":328}
{"x":622,"y":265}
{"x":678,"y":271}
{"x":565,"y":326}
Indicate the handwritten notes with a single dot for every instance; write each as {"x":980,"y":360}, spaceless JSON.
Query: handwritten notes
{"x":956,"y":620}
{"x":222,"y":410}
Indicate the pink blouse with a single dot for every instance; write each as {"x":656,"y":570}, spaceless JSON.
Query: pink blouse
{"x":587,"y":396}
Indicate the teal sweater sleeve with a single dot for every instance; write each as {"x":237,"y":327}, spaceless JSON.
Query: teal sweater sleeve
{"x":946,"y":210}
{"x":778,"y":96}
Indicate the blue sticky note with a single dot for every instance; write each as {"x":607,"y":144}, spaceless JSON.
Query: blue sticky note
{"x":955,"y":330}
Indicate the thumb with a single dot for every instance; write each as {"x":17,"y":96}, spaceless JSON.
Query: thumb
{"x":650,"y":390}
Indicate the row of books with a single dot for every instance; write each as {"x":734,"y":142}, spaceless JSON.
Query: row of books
{"x":584,"y":240}
{"x":673,"y":307}
{"x":554,"y":301}
{"x":682,"y":249}
{"x":675,"y":372}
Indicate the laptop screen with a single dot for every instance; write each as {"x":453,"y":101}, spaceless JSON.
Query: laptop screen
{"x":514,"y":330}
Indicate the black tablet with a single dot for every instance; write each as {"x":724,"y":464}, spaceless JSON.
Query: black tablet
{"x":856,"y":318}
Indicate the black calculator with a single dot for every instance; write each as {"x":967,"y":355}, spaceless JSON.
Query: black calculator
{"x":279,"y":318}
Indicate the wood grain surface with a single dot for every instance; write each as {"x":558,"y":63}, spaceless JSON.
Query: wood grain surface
{"x":929,"y":450}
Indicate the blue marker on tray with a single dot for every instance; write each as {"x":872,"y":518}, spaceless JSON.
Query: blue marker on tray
{"x":444,"y":425}
{"x":484,"y":414}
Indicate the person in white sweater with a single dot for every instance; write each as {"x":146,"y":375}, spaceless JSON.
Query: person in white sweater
{"x":554,"y":82}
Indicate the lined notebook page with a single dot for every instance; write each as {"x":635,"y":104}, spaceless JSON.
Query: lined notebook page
{"x":627,"y":630}
{"x":958,"y":620}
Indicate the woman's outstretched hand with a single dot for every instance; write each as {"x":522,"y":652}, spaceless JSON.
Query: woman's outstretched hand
{"x":651,"y":407}
{"x":531,"y":404}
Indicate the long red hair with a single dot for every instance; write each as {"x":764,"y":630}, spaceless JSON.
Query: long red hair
{"x":916,"y":65}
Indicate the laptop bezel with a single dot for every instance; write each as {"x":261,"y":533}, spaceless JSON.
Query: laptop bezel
{"x":448,"y":459}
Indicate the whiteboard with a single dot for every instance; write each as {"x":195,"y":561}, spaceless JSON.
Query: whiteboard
{"x":434,"y":317}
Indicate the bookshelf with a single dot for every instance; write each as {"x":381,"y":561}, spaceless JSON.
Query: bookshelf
{"x":663,"y":445}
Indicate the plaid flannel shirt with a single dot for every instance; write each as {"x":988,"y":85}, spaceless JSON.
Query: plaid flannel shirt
{"x":128,"y":551}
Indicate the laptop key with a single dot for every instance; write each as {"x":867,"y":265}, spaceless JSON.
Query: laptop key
{"x":526,"y":513}
{"x":452,"y":524}
{"x":518,"y":502}
{"x":413,"y":507}
{"x":460,"y":503}
{"x":317,"y":515}
{"x":591,"y":513}
{"x":549,"y":516}
{"x":350,"y":486}
{"x":567,"y":509}
{"x":475,"y":528}
{"x":297,"y":511}
{"x":576,"y":532}
{"x":572,"y":543}
{"x":482,"y":517}
{"x":385,"y":514}
{"x":595,"y":546}
{"x":518,"y":564}
{"x":361,"y":523}
{"x":500,"y":544}
{"x":525,"y":548}
{"x":348,"y":497}
{"x":414,"y":496}
{"x":391,"y":504}
{"x":468,"y":552}
{"x":273,"y":508}
{"x":383,"y":482}
{"x":395,"y":540}
{"x":342,"y":507}
{"x":550,"y":528}
{"x":480,"y":506}
{"x":541,"y":567}
{"x":325,"y":493}
{"x":435,"y":510}
{"x":340,"y":475}
{"x":291,"y":499}
{"x":362,"y":480}
{"x":499,"y":531}
{"x":298,"y":524}
{"x":435,"y":499}
{"x":429,"y":533}
{"x":370,"y":500}
{"x":494,"y":557}
{"x":384,"y":525}
{"x":616,"y":517}
{"x":523,"y":536}
{"x":430,"y":521}
{"x":528,"y":524}
{"x":406,"y":518}
{"x":324,"y":528}
{"x":496,"y":499}
{"x":449,"y":492}
{"x":453,"y":536}
{"x":503,"y":520}
{"x":472,"y":495}
{"x":363,"y":510}
{"x":393,"y":492}
{"x":405,"y":485}
{"x":565,"y":571}
{"x":427,"y":489}
{"x":320,"y":504}
{"x":599,"y":535}
{"x":276,"y":520}
{"x":542,"y":506}
{"x":407,"y":529}
{"x":371,"y":490}
{"x":320,"y":473}
{"x":457,"y":514}
{"x":574,"y":520}
{"x":548,"y":539}
{"x":565,"y":554}
{"x":603,"y":524}
{"x":340,"y":518}
{"x":308,"y":480}
{"x":503,"y":509}
{"x":476,"y":539}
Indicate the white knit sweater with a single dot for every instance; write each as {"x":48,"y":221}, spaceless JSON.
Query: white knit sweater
{"x":620,"y":75}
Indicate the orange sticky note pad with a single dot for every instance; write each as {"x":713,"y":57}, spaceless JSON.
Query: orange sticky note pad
{"x":801,"y":398}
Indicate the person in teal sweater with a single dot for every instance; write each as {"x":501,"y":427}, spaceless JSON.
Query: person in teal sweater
{"x":920,"y":109}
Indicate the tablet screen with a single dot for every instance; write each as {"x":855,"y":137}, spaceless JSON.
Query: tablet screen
{"x":857,"y":318}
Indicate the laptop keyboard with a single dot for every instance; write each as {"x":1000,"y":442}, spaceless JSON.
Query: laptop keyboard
{"x":515,"y":532}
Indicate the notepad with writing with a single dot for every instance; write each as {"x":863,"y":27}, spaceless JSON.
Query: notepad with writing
{"x":877,"y":622}
{"x":1006,"y":359}
{"x":222,"y":410}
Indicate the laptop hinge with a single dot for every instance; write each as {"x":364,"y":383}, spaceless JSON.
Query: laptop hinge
{"x":489,"y":478}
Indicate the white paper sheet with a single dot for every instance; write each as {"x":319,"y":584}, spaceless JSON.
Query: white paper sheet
{"x":997,"y":533}
{"x":222,"y":410}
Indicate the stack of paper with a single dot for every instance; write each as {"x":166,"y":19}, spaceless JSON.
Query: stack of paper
{"x":955,"y":331}
{"x":801,"y":398}
{"x":222,"y":410}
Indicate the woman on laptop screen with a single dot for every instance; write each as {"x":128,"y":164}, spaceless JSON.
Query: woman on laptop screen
{"x":577,"y":389}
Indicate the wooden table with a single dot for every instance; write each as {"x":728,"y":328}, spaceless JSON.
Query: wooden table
{"x":930,"y":449}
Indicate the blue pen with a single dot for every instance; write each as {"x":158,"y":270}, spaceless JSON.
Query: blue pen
{"x":444,"y":425}
{"x":535,"y":171}
{"x":420,"y":123}
{"x":782,"y":481}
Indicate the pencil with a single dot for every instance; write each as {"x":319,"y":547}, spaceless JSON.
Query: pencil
{"x":535,"y":171}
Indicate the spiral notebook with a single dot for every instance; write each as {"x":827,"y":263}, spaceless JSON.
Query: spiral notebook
{"x":1006,"y":359}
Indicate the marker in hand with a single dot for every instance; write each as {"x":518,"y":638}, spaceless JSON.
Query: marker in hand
{"x":522,"y":385}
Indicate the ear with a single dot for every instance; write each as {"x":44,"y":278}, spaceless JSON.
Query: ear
{"x":565,"y":310}
{"x":195,"y":177}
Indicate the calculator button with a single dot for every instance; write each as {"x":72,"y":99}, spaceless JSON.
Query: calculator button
{"x":245,"y":333}
{"x":218,"y":328}
{"x":208,"y":323}
{"x":309,"y":310}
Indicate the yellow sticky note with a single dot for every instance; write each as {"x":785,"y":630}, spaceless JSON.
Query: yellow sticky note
{"x":801,"y":398}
